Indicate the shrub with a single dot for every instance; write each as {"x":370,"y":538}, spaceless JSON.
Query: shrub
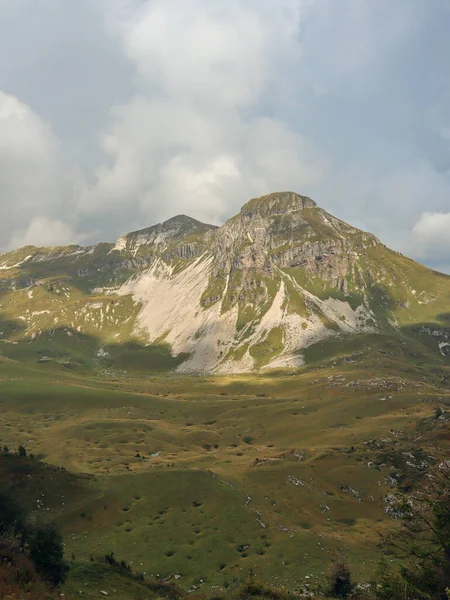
{"x":341,"y":585}
{"x":47,"y":553}
{"x":437,"y":412}
{"x":111,"y":559}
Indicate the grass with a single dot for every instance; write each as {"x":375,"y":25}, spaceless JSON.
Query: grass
{"x":270,"y":347}
{"x":207,"y":478}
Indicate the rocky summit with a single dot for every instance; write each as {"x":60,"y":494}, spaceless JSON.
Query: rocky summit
{"x":255,"y":293}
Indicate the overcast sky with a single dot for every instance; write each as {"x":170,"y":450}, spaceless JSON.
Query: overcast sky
{"x":117,"y":114}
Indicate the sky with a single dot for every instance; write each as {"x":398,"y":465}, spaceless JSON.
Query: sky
{"x":117,"y":114}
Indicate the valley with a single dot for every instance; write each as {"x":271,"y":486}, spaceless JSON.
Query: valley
{"x":198,"y":480}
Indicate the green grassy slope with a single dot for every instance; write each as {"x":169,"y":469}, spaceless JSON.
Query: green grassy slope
{"x":206,"y":478}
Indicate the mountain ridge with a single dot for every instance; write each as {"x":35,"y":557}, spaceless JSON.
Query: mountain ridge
{"x":281,"y":275}
{"x":180,"y":218}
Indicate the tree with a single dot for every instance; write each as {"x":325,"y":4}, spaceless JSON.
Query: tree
{"x":22,"y":451}
{"x":389,"y":584}
{"x":423,"y":543}
{"x":341,"y":585}
{"x":47,"y":553}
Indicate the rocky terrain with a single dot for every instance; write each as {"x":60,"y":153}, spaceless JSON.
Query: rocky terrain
{"x":278,"y":277}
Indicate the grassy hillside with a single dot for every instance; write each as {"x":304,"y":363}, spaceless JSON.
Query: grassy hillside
{"x":199,"y":480}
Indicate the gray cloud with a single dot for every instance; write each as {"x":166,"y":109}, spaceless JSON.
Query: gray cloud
{"x":135,"y":110}
{"x":36,"y":185}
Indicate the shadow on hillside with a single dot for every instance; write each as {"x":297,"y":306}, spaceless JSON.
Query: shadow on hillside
{"x":28,"y":476}
{"x":85,"y":273}
{"x":412,"y":348}
{"x":444,"y":317}
{"x":10,"y":327}
{"x":75,"y":350}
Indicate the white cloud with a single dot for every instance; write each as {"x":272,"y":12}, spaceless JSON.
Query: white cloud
{"x":33,"y":178}
{"x":44,"y":231}
{"x":431,"y":234}
{"x":192,"y":140}
{"x":193,"y":51}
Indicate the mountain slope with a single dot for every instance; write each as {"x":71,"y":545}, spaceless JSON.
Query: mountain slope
{"x":278,"y":277}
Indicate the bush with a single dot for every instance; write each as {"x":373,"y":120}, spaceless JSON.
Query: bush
{"x":22,"y":451}
{"x":438,"y":412}
{"x":341,"y":585}
{"x":111,"y":559}
{"x":47,"y":553}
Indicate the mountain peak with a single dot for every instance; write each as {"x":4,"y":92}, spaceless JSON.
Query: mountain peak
{"x":185,"y":223}
{"x":277,"y":203}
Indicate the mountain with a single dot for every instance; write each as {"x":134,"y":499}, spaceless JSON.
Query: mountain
{"x":276,"y":279}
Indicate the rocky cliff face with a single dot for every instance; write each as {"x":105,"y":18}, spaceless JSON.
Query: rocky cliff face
{"x":277,"y":277}
{"x":179,"y":237}
{"x":289,"y":231}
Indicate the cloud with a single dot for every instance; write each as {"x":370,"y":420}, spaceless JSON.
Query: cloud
{"x":194,"y":139}
{"x":44,"y":231}
{"x":136,"y":110}
{"x":61,"y":59}
{"x":33,"y":177}
{"x":431,"y":236}
{"x":433,"y":228}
